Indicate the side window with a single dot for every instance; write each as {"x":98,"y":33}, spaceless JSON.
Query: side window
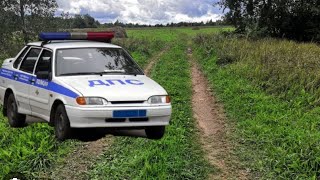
{"x":19,"y":59}
{"x":44,"y":63}
{"x":30,"y":60}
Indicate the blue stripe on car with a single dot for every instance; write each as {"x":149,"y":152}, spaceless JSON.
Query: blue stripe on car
{"x":44,"y":84}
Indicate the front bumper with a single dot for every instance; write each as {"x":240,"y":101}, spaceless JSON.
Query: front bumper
{"x":99,"y":117}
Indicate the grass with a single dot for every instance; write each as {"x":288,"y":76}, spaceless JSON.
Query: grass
{"x":33,"y":149}
{"x":286,"y":69}
{"x":268,"y":89}
{"x":28,"y":150}
{"x":141,"y":48}
{"x":168,"y":34}
{"x":178,"y":155}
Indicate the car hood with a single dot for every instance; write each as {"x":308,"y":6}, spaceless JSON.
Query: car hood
{"x":115,"y":87}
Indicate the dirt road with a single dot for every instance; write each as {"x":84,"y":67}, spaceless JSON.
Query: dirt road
{"x":211,"y":121}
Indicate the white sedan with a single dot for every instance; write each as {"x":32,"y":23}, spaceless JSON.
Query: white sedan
{"x":72,"y":80}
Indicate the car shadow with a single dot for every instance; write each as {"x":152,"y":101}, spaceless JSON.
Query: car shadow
{"x":94,"y":134}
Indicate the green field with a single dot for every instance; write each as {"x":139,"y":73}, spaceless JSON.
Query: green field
{"x":269,"y":88}
{"x":33,"y":150}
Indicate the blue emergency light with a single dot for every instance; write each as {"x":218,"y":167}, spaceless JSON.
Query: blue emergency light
{"x":95,"y":36}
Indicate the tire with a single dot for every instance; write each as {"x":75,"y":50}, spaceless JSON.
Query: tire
{"x":62,"y":127}
{"x":14,"y":118}
{"x":156,"y":132}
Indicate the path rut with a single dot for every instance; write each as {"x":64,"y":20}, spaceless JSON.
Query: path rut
{"x":154,"y":60}
{"x":211,"y":121}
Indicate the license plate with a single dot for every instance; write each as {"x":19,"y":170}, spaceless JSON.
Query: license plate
{"x":129,"y":113}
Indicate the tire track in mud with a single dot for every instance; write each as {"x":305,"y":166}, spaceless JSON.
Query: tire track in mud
{"x":211,"y":121}
{"x":76,"y":165}
{"x":154,"y":60}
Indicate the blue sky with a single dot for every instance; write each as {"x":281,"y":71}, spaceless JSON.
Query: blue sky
{"x":143,"y":11}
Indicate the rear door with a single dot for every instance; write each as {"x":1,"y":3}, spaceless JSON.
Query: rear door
{"x":23,"y":79}
{"x":39,"y":92}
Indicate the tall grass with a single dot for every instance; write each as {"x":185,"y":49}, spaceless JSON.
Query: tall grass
{"x":28,"y":150}
{"x":270,"y":89}
{"x":284,"y":68}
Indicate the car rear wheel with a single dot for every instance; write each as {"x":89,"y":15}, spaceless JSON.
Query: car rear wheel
{"x":156,"y":132}
{"x":15,"y":119}
{"x":62,"y":127}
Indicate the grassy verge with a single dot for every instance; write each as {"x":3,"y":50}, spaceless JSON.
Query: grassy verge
{"x":28,"y":150}
{"x":177,"y":155}
{"x":278,"y":135}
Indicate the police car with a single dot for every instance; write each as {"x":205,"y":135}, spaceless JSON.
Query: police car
{"x":77,"y":80}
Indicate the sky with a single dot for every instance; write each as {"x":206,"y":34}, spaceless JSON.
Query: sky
{"x":143,"y":11}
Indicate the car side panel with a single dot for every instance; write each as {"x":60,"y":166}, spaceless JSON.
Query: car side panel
{"x":65,"y":94}
{"x":7,"y":80}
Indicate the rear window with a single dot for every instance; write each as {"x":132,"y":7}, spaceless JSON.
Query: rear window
{"x":94,"y":60}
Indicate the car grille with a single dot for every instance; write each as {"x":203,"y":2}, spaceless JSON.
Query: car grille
{"x":124,"y":119}
{"x":115,"y":119}
{"x":127,"y":102}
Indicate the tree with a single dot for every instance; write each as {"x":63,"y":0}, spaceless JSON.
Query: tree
{"x":31,"y":13}
{"x":89,"y":21}
{"x":298,"y":20}
{"x":78,"y":22}
{"x":64,"y":21}
{"x":8,"y":22}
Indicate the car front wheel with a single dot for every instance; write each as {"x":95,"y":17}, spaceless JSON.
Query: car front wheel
{"x":15,"y":119}
{"x":156,"y":132}
{"x":61,"y":123}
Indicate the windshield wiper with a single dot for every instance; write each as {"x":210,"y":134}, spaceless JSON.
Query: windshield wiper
{"x":107,"y":71}
{"x":120,"y":71}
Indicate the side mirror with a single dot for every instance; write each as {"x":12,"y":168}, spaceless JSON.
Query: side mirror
{"x":7,"y":62}
{"x":43,"y":75}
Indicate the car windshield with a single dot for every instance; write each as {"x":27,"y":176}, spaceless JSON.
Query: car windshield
{"x":84,"y":61}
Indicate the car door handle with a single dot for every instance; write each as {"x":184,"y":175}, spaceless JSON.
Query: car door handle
{"x":15,"y":76}
{"x":32,"y":80}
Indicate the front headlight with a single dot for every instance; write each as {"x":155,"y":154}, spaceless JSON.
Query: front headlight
{"x":159,"y":99}
{"x":91,"y":101}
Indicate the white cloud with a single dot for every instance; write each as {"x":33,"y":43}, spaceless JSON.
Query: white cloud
{"x":143,"y":11}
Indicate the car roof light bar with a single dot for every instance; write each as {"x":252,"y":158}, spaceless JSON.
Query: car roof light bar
{"x":94,"y":36}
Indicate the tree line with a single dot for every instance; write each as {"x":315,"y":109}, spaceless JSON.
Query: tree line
{"x":33,"y":16}
{"x":293,"y":19}
{"x":22,"y":20}
{"x":179,"y":24}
